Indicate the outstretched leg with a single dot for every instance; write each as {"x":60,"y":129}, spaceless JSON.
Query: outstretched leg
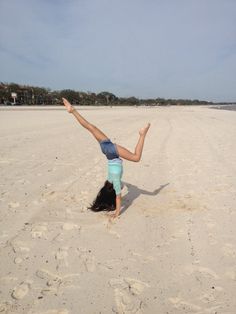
{"x":98,"y":134}
{"x":136,"y":156}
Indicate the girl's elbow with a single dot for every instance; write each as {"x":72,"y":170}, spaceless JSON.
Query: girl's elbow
{"x":136,"y":158}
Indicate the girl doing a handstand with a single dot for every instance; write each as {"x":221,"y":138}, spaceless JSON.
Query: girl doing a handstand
{"x":109,"y":197}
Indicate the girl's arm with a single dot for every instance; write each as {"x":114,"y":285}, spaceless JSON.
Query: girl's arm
{"x":118,"y":206}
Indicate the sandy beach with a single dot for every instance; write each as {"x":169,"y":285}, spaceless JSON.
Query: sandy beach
{"x":173,"y":248}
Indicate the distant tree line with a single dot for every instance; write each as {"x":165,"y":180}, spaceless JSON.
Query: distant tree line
{"x":32,"y":95}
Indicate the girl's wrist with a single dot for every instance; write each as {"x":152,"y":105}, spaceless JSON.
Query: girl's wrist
{"x":117,"y":211}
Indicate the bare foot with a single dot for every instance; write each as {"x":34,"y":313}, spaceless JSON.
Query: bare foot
{"x":68,"y":105}
{"x":143,"y":131}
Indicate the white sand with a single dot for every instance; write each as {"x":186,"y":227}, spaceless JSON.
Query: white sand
{"x":173,"y":250}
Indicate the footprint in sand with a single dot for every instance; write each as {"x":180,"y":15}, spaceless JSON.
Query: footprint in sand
{"x":70,"y":226}
{"x":55,"y":283}
{"x":203,"y":273}
{"x":39,"y":231}
{"x":89,"y":263}
{"x":23,"y":181}
{"x":211,"y":239}
{"x":127,"y":293}
{"x":21,"y":291}
{"x":70,"y":281}
{"x":47,"y":275}
{"x":211,"y":296}
{"x":141,"y":258}
{"x":3,"y":236}
{"x":110,"y":264}
{"x":14,"y":204}
{"x":87,"y":260}
{"x":229,"y":250}
{"x":177,"y":235}
{"x":8,"y":280}
{"x":62,"y":256}
{"x":19,"y":247}
{"x":183,"y":305}
{"x":50,"y":290}
{"x":7,"y":307}
{"x":18,"y":260}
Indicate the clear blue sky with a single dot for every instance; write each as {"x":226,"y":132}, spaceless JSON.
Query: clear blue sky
{"x":143,"y":48}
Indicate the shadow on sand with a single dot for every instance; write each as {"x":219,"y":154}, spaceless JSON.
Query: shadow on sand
{"x":134,"y":192}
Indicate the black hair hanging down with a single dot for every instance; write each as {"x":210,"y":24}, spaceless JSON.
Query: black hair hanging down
{"x":106,"y":199}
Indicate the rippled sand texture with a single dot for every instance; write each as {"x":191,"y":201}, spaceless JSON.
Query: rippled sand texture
{"x":173,"y":249}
